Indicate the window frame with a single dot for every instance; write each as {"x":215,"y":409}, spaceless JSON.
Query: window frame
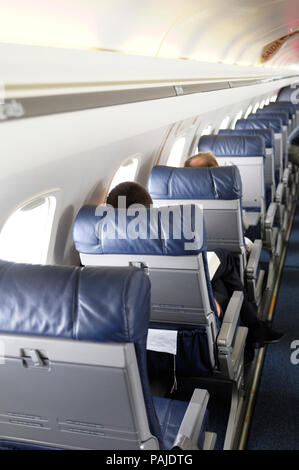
{"x":228,"y":119}
{"x":236,"y":118}
{"x":248,"y":111}
{"x":47,"y":248}
{"x":255,"y":107}
{"x":127,"y":159}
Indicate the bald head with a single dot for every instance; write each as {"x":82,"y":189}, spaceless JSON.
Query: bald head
{"x":202,"y":159}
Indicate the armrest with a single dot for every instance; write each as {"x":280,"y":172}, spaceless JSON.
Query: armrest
{"x":230,"y":320}
{"x":285,"y":176}
{"x":270,"y":216}
{"x":279,"y":192}
{"x":193,"y":420}
{"x":254,"y":258}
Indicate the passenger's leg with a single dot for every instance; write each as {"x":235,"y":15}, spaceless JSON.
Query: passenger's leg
{"x":227,"y":280}
{"x":223,"y":292}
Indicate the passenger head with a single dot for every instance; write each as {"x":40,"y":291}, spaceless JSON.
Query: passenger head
{"x":202,"y":159}
{"x":133,"y":192}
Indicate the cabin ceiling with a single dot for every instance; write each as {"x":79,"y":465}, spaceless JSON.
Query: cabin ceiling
{"x":217,"y":31}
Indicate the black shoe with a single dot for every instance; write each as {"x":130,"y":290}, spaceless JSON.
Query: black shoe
{"x":261,"y":334}
{"x":272,"y":336}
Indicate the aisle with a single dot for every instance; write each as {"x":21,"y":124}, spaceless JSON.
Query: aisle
{"x":275,"y":421}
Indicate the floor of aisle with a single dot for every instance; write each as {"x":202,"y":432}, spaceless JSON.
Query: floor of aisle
{"x":275,"y":420}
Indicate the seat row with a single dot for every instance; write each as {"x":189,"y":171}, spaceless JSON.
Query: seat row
{"x":254,"y":176}
{"x":73,"y":364}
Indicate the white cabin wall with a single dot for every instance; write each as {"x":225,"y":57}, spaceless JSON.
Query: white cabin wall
{"x":194,"y":127}
{"x":79,"y":176}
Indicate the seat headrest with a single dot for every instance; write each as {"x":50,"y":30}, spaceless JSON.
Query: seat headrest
{"x":284,"y":106}
{"x":267,"y":134}
{"x":289,"y":104}
{"x":260,"y":123}
{"x":170,"y":231}
{"x":91,"y":304}
{"x":271,"y":113}
{"x":232,"y":145}
{"x":222,"y":182}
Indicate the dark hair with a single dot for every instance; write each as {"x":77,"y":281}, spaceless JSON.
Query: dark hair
{"x":202,"y":159}
{"x":134,"y":193}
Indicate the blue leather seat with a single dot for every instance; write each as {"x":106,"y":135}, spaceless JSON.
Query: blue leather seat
{"x":170,"y":414}
{"x":260,"y":123}
{"x":213,"y":188}
{"x":269,"y":113}
{"x":241,"y":150}
{"x":97,"y":247}
{"x":182,"y":299}
{"x":93,"y":305}
{"x":285,"y":106}
{"x":281,"y":103}
{"x":282,"y":175}
{"x":221,"y":183}
{"x":289,"y":95}
{"x":284,"y":117}
{"x":247,"y":146}
{"x":268,"y":136}
{"x":168,"y":263}
{"x":91,"y":237}
{"x":266,"y":123}
{"x":236,"y":149}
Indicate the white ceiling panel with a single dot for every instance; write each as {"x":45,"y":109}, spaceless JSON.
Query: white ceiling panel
{"x":231,"y":31}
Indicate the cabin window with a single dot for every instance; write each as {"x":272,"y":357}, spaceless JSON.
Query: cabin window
{"x":176,"y":152}
{"x":249,"y":110}
{"x":256,"y":106}
{"x":238,"y":116}
{"x":25,"y":236}
{"x":262,"y":104}
{"x":225,"y":123}
{"x":126,"y":172}
{"x":207,"y":130}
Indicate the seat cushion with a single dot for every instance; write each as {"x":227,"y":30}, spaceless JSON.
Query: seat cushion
{"x":170,"y":414}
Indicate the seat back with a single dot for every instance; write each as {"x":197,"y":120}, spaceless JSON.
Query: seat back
{"x":279,"y":114}
{"x":268,"y":136}
{"x":285,"y":106}
{"x":73,"y":371}
{"x":176,"y":264}
{"x":289,"y":94}
{"x":218,"y":191}
{"x":276,"y":126}
{"x":248,"y":154}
